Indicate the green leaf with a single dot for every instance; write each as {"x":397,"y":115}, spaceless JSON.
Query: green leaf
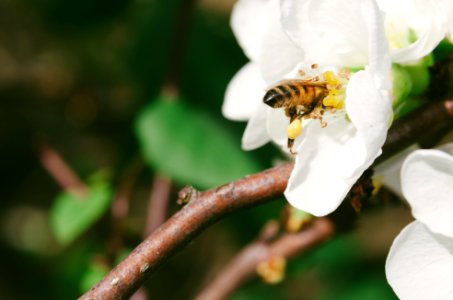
{"x":189,"y":146}
{"x":70,"y":215}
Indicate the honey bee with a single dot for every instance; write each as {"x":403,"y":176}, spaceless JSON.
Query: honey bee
{"x":300,"y":99}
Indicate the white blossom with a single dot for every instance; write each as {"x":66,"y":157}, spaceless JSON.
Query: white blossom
{"x":283,"y":37}
{"x":415,"y":27}
{"x":420,"y":262}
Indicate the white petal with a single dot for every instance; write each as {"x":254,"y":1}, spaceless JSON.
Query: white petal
{"x":427,"y":182}
{"x":255,"y":134}
{"x":257,"y":26}
{"x":420,"y":264}
{"x":447,"y":148}
{"x":331,"y":159}
{"x":244,"y":92}
{"x":247,"y":21}
{"x":379,"y":63}
{"x":426,"y":18}
{"x":369,"y":111}
{"x":449,"y":19}
{"x":389,"y":172}
{"x":279,"y":55}
{"x":326,"y":167}
{"x":330,"y":32}
{"x":277,"y":125}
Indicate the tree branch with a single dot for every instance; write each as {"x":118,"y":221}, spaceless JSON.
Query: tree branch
{"x":417,"y":125}
{"x":204,"y":208}
{"x":60,"y":171}
{"x":244,"y":265}
{"x":158,"y":203}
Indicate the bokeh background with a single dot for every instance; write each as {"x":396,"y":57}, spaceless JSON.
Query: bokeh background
{"x":131,"y":101}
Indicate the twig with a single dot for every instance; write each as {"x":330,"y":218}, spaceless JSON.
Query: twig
{"x":252,"y":260}
{"x":158,"y":203}
{"x":204,"y":208}
{"x":416,"y":126}
{"x":120,"y":210}
{"x":60,"y":171}
{"x":244,"y":265}
{"x":120,"y":203}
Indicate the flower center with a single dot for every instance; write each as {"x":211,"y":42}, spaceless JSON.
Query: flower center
{"x":326,"y":91}
{"x":336,"y":91}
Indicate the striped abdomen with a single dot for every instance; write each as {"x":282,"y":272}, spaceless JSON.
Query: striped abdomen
{"x":295,"y":93}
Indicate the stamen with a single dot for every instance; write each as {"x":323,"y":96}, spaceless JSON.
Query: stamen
{"x":331,"y":79}
{"x":333,"y":100}
{"x":336,"y":96}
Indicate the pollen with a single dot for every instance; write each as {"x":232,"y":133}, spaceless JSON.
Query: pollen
{"x":294,"y":129}
{"x":336,"y":95}
{"x":334,"y":101}
{"x":331,"y":79}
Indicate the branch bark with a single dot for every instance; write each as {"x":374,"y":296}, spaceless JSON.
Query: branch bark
{"x":158,"y":203}
{"x":60,"y":171}
{"x":204,"y":208}
{"x":244,"y":265}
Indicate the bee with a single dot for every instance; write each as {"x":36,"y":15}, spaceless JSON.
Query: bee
{"x":300,"y":99}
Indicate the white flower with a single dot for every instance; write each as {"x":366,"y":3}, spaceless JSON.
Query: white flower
{"x":420,"y":262}
{"x":281,"y":38}
{"x":415,"y":27}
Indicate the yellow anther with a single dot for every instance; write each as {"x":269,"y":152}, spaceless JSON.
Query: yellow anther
{"x":331,"y":79}
{"x":294,"y":129}
{"x":334,"y":101}
{"x":334,"y":92}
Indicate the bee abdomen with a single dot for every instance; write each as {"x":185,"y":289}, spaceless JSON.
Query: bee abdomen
{"x":280,"y":96}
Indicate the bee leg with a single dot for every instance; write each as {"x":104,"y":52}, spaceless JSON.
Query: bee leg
{"x":290,"y":146}
{"x":317,"y":113}
{"x":323,"y":124}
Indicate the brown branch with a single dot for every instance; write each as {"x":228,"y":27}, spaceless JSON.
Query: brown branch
{"x":244,"y":265}
{"x":120,"y":203}
{"x":204,"y":208}
{"x":120,"y":210}
{"x":270,"y":267}
{"x":60,"y":171}
{"x":158,"y":203}
{"x":416,"y":126}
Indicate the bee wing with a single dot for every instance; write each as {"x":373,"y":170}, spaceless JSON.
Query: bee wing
{"x":307,"y":82}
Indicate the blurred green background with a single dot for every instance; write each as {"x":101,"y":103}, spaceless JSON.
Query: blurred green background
{"x":84,"y":78}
